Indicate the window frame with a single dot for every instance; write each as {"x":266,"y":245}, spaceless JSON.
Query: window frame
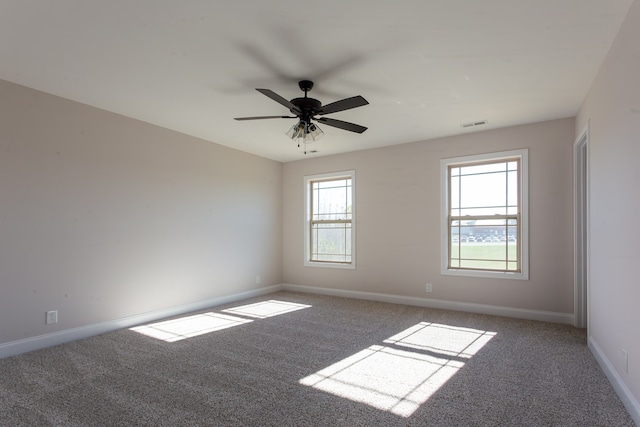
{"x":308,"y":179}
{"x":523,"y":237}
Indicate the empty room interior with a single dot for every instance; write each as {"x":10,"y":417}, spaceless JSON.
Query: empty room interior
{"x":402,"y":169}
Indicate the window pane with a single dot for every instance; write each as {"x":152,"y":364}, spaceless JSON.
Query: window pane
{"x":331,"y":242}
{"x":485,"y":255}
{"x":493,"y":251}
{"x":331,"y":183}
{"x":455,"y":249}
{"x":512,"y":251}
{"x":479,"y":191}
{"x":455,"y":194}
{"x":332,"y":201}
{"x":477,"y":239}
{"x":332,"y":205}
{"x":484,"y":265}
{"x":512,"y":193}
{"x":483,"y":168}
{"x":465,"y":212}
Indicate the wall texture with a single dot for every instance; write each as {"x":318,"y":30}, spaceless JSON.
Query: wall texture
{"x":398,"y":220}
{"x":104,"y":217}
{"x":612,"y":110}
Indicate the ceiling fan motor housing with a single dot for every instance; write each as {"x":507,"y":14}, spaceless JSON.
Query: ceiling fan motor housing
{"x":308,"y":106}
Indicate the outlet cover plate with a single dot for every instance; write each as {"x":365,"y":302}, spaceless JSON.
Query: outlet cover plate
{"x":52,"y":317}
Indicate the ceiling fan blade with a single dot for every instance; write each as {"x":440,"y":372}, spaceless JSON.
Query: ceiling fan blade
{"x":264,"y":117}
{"x":342,"y":125}
{"x":271,"y":94}
{"x":344,"y":104}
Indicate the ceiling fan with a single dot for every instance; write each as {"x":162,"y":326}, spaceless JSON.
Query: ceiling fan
{"x":306,"y":109}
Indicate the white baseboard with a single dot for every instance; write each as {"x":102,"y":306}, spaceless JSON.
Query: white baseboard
{"x":628,"y":400}
{"x":35,"y":343}
{"x":544,"y":316}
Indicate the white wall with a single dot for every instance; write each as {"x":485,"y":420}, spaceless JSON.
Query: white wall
{"x":104,"y":217}
{"x":398,"y":220}
{"x":613,"y":109}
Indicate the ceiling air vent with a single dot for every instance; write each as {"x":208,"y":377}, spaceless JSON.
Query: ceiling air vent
{"x":472,"y":124}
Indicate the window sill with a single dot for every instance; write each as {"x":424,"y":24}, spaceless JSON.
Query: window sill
{"x":485,"y":274}
{"x":351,"y":266}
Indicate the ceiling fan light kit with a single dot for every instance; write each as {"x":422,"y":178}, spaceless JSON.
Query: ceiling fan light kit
{"x":304,"y":133}
{"x":306,"y":109}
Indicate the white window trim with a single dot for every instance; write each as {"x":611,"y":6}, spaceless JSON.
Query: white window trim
{"x":307,"y":207}
{"x":444,"y":211}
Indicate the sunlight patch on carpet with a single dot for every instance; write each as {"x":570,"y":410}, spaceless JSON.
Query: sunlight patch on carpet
{"x":265,"y":309}
{"x":190,"y":326}
{"x":442,"y":339}
{"x":404,"y":373}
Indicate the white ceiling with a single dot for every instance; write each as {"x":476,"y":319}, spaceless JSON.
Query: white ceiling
{"x":425,"y":66}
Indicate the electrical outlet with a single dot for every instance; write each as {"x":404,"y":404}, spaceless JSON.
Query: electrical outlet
{"x":429,"y":287}
{"x":52,"y":317}
{"x":257,"y":280}
{"x":625,"y":360}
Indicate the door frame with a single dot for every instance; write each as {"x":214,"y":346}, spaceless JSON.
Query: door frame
{"x":581,"y":274}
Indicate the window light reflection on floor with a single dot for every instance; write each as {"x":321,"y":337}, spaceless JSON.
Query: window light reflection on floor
{"x":190,"y":326}
{"x":442,"y":339}
{"x":200,"y":324}
{"x":265,"y":309}
{"x":402,"y":374}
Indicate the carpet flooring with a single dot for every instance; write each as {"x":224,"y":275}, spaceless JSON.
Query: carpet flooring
{"x":291,"y":359}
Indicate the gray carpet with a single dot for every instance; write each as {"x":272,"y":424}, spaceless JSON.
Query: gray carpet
{"x":310,"y":360}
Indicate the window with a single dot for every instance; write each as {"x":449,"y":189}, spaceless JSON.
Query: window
{"x":484,"y":215}
{"x":329,"y":220}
